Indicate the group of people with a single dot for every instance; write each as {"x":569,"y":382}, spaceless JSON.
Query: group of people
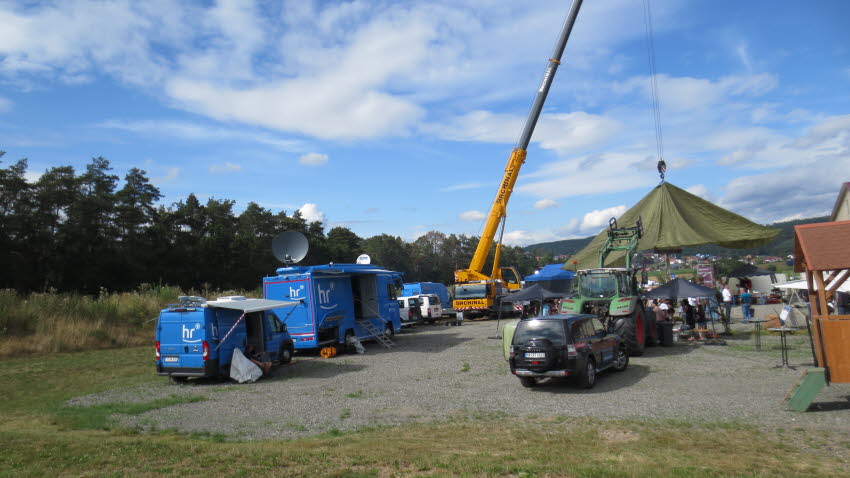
{"x":745,"y":297}
{"x":694,"y":312}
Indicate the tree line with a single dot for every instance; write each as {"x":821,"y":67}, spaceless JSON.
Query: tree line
{"x":84,"y":231}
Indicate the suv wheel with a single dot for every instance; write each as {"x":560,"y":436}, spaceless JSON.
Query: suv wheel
{"x":528,"y":382}
{"x":588,"y":376}
{"x":621,"y":359}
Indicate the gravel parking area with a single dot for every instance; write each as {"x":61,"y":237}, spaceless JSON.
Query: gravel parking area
{"x":437,"y":372}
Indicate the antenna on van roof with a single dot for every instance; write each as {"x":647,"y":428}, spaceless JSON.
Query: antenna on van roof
{"x":290,"y":247}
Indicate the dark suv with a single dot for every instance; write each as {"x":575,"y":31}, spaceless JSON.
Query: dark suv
{"x":565,"y":345}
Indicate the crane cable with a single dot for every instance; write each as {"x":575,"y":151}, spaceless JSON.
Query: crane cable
{"x":653,"y":80}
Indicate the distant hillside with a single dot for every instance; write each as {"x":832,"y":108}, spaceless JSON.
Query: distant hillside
{"x":781,"y":246}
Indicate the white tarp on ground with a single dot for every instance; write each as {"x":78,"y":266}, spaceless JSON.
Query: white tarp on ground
{"x":243,"y":370}
{"x":801,"y":284}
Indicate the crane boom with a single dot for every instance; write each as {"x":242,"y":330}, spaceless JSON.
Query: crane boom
{"x":499,"y":208}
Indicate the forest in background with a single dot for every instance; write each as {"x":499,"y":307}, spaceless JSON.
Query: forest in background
{"x":89,"y":232}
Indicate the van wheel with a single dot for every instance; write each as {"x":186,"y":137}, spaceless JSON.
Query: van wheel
{"x":389,"y":331}
{"x":285,"y":355}
{"x":179,"y":379}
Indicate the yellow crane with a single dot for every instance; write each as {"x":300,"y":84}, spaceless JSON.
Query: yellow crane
{"x":475,"y":291}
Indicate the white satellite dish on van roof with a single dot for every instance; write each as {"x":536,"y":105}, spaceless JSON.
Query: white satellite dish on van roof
{"x":364,"y":259}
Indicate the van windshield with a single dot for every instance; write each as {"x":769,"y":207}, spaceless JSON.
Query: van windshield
{"x":540,"y":329}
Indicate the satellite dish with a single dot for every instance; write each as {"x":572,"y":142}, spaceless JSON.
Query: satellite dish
{"x":290,"y":247}
{"x":364,"y":259}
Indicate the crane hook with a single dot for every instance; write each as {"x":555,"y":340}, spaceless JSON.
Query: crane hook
{"x":662,"y":168}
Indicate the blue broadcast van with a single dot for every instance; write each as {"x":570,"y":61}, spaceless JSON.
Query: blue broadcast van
{"x":196,"y":338}
{"x":337,"y":301}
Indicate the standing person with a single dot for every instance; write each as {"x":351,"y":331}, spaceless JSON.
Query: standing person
{"x":727,"y":303}
{"x":662,"y":311}
{"x":746,"y":305}
{"x":545,"y":308}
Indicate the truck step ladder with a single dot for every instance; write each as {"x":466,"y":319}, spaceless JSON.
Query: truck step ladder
{"x":379,"y":334}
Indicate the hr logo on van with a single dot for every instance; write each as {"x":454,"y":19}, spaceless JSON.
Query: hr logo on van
{"x":296,"y":293}
{"x":325,"y":296}
{"x":189,"y":332}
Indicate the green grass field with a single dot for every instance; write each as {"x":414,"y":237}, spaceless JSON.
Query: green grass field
{"x":41,"y":436}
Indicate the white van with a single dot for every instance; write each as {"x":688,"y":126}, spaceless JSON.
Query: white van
{"x":431,"y":307}
{"x":409,"y":309}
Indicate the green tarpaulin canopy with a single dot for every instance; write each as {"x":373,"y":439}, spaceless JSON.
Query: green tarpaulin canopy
{"x":674,"y":218}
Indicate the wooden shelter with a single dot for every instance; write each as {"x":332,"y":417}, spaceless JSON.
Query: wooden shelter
{"x":822,"y":251}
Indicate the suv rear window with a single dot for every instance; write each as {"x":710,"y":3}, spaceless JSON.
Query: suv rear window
{"x":540,"y":329}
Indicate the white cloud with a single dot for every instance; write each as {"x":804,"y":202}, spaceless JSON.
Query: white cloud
{"x":227,"y":167}
{"x":472,"y":215}
{"x":32,"y":177}
{"x":331,"y":70}
{"x":462,"y":187}
{"x":5,"y":105}
{"x":200,"y":132}
{"x":598,"y":218}
{"x":562,"y":132}
{"x":545,"y":204}
{"x":682,"y":94}
{"x":524,"y":238}
{"x":588,"y":175}
{"x":313,"y":159}
{"x":171,"y":175}
{"x":312,"y":213}
{"x":700,"y":190}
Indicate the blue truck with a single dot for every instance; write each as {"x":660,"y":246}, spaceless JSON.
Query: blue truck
{"x":337,"y":302}
{"x":436,"y":288}
{"x":196,"y":338}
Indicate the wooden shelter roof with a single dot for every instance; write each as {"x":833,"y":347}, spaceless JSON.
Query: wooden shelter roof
{"x":822,"y":246}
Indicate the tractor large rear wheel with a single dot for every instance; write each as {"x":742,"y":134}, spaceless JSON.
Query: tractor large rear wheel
{"x":631,"y":329}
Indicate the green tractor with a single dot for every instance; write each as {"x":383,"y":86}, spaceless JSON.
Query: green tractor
{"x":612,"y":293}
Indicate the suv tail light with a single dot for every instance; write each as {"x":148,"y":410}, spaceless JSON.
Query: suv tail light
{"x":157,"y":350}
{"x":206,"y":350}
{"x":571,"y":351}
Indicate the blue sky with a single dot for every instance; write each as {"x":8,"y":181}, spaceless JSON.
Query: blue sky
{"x":398,"y":116}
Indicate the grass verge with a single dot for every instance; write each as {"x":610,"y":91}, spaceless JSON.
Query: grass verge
{"x":41,"y":437}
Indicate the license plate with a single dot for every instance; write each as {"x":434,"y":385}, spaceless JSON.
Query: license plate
{"x":170,"y":359}
{"x":535,"y":355}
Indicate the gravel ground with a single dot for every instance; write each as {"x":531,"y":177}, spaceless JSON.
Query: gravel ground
{"x":436,"y":373}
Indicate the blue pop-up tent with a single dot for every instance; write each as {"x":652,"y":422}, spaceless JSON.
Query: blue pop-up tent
{"x":552,"y":277}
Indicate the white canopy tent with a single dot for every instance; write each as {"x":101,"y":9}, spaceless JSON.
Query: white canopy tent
{"x":801,"y":284}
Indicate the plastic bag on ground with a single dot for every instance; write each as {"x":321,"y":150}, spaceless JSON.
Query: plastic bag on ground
{"x":243,"y":370}
{"x":357,"y":345}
